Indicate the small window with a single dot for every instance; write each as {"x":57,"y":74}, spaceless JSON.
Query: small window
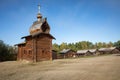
{"x":30,"y":52}
{"x":24,"y":51}
{"x":43,"y":51}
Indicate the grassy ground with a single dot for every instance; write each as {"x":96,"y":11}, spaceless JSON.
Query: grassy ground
{"x":94,"y":68}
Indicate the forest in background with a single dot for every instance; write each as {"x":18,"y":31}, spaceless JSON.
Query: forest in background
{"x":7,"y":53}
{"x":84,"y":45}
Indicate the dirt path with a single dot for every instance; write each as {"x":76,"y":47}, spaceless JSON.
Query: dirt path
{"x":95,"y":68}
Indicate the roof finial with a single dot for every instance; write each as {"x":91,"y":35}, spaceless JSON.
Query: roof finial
{"x":38,"y":8}
{"x":39,"y":16}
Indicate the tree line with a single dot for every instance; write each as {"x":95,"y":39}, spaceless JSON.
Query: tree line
{"x":10,"y":52}
{"x":7,"y":53}
{"x":84,"y":45}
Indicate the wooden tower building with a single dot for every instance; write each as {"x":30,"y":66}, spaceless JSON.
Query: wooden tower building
{"x":37,"y":45}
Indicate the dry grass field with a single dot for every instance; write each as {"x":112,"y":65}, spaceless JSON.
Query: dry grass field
{"x":94,"y":68}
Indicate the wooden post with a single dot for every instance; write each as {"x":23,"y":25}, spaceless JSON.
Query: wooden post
{"x":51,"y":50}
{"x":34,"y":50}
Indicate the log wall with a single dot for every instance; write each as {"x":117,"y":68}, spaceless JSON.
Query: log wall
{"x":43,"y":48}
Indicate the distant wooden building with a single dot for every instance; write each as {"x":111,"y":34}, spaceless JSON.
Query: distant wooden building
{"x":67,"y":53}
{"x":111,"y":50}
{"x":37,"y":45}
{"x":83,"y":53}
{"x":115,"y":50}
{"x":94,"y":52}
{"x":104,"y":51}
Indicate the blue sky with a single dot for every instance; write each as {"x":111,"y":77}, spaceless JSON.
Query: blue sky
{"x":70,"y":20}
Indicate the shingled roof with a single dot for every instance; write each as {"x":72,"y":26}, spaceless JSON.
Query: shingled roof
{"x":82,"y":51}
{"x":65,"y":51}
{"x":92,"y":50}
{"x":23,"y":43}
{"x":107,"y":49}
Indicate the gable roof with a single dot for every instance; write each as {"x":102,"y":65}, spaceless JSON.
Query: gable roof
{"x":92,"y":50}
{"x":65,"y":51}
{"x":82,"y":51}
{"x":107,"y":49}
{"x":112,"y":48}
